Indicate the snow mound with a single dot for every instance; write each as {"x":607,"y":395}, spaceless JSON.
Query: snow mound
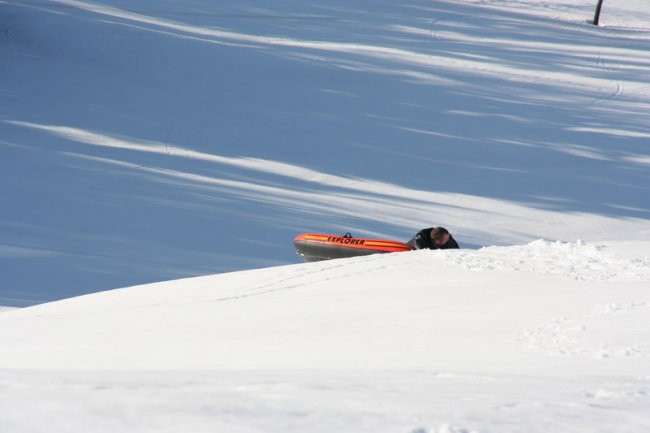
{"x":413,"y":310}
{"x":576,"y":260}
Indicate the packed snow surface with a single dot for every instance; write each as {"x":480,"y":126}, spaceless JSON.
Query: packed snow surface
{"x":143,"y":143}
{"x":547,"y":335}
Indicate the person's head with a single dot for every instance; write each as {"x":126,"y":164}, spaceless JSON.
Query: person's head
{"x":439,"y":235}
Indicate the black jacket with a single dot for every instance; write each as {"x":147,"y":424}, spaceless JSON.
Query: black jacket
{"x":422,"y":240}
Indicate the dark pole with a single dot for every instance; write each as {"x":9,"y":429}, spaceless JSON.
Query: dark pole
{"x":597,"y":15}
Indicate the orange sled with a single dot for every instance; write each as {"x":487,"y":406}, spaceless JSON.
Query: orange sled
{"x":316,"y":246}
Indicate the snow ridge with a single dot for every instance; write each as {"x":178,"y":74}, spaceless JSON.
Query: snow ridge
{"x":576,"y":260}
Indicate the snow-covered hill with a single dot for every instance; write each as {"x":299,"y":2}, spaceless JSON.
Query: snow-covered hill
{"x":441,"y":310}
{"x":527,"y":338}
{"x":143,"y":143}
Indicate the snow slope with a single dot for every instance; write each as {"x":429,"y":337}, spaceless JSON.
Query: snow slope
{"x":403,"y":311}
{"x":143,"y":143}
{"x":542,"y":336}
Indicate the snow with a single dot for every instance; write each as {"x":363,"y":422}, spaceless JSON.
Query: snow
{"x":142,"y":144}
{"x":189,"y":142}
{"x":548,"y":335}
{"x":401,"y":311}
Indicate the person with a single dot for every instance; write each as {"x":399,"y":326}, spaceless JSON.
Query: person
{"x":435,"y":238}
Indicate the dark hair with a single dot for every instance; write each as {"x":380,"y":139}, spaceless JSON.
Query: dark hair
{"x":438,"y":233}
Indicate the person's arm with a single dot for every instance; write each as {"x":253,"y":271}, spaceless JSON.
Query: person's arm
{"x":419,"y":240}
